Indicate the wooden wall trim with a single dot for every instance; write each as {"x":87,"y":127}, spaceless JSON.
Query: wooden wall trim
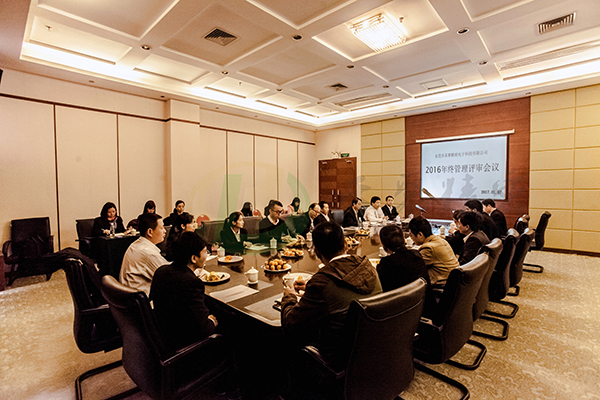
{"x":500,"y":116}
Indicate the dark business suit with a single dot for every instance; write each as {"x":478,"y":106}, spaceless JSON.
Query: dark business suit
{"x":267,"y":230}
{"x":391,"y":214}
{"x":500,"y":220}
{"x":102,"y":223}
{"x":179,"y":306}
{"x":401,"y":268}
{"x":350,"y":217}
{"x":305,"y":224}
{"x":475,"y":242}
{"x":456,"y":241}
{"x":230,"y":241}
{"x":489,"y":227}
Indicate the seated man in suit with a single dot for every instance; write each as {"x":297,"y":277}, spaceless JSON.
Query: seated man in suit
{"x":311,"y":219}
{"x":436,"y":252}
{"x":401,"y":266}
{"x":454,"y":237}
{"x":318,"y":317}
{"x":488,"y":226}
{"x":388,"y":209}
{"x":475,"y":239}
{"x":143,"y":258}
{"x":272,"y":226}
{"x":353,"y":216}
{"x":178,"y":294}
{"x":374,"y":212}
{"x":489,"y":206}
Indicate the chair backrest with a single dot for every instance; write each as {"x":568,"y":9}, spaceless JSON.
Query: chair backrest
{"x":540,"y":231}
{"x":31,"y":237}
{"x":493,"y":249}
{"x":94,"y":328}
{"x":338,"y":216}
{"x":521,"y":224}
{"x":381,"y":332}
{"x":251,"y":225}
{"x":500,"y":280}
{"x":454,"y":312}
{"x":211,"y":230}
{"x":516,"y":265}
{"x":143,"y":347}
{"x":201,"y":218}
{"x":256,"y":213}
{"x":84,"y":228}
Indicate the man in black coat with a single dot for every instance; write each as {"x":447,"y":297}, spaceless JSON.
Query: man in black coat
{"x":178,"y":294}
{"x":475,"y":239}
{"x":388,"y":209}
{"x":354,"y":215}
{"x":489,"y":206}
{"x":488,"y":226}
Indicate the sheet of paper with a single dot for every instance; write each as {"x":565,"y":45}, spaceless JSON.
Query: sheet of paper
{"x":258,"y":247}
{"x":233,"y":293}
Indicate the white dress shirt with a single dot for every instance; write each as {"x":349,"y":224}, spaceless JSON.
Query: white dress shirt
{"x":141,"y":260}
{"x":374,"y":215}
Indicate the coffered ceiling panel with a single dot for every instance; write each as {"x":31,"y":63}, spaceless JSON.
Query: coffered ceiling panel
{"x":132,"y":17}
{"x":290,"y":64}
{"x":298,"y":12}
{"x":283,"y":100}
{"x":478,"y":8}
{"x":172,"y":69}
{"x":73,"y":40}
{"x":439,"y":80}
{"x":246,"y":36}
{"x":333,"y":84}
{"x":236,"y":86}
{"x":415,"y":59}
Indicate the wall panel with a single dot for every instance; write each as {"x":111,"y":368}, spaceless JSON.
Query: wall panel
{"x":87,"y":166}
{"x":27,"y":168}
{"x":287,"y":153}
{"x":265,"y":171}
{"x":187,"y":165}
{"x":307,"y":175}
{"x":240,"y":167}
{"x":142,"y":166}
{"x":210,"y":193}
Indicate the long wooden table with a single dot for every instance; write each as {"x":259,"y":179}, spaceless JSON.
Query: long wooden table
{"x":260,"y":298}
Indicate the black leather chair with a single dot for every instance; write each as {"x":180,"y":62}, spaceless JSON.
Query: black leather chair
{"x":338,"y":216}
{"x":451,"y":325}
{"x":379,"y":339}
{"x":522,"y":223}
{"x":156,"y":370}
{"x":516,"y":266}
{"x":94,"y":328}
{"x":493,"y":249}
{"x":28,"y":249}
{"x":538,"y":242}
{"x":500,"y":280}
{"x":84,"y":235}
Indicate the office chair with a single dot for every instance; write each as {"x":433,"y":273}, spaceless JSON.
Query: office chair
{"x":538,"y":241}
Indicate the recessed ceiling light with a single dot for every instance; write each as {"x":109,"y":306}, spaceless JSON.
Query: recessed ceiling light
{"x":225,"y":72}
{"x":462,"y":31}
{"x":297,"y":37}
{"x":527,"y":93}
{"x":49,"y":28}
{"x":145,"y":47}
{"x":349,"y":66}
{"x":90,"y":81}
{"x":162,"y":97}
{"x":386,"y":86}
{"x":453,"y":105}
{"x":279,"y":89}
{"x":482,"y":62}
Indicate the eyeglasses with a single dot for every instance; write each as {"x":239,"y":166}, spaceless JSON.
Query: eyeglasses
{"x":277,"y":211}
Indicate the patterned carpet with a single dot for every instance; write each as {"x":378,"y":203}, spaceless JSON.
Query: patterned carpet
{"x":553,"y":349}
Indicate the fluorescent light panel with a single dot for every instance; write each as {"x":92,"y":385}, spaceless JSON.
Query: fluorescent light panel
{"x":379,"y":32}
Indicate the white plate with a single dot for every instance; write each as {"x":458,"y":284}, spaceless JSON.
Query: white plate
{"x":286,"y":267}
{"x":223,"y":275}
{"x":295,"y":275}
{"x":234,"y":259}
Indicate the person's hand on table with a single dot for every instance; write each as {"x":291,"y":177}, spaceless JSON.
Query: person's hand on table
{"x":299,"y":237}
{"x":247,"y":244}
{"x":106,"y":231}
{"x":300,"y":284}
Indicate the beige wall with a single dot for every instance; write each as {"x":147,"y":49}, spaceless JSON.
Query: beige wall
{"x":382,"y":161}
{"x":66,"y":160}
{"x":565,"y":167}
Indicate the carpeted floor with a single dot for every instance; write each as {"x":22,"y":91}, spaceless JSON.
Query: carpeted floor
{"x":553,"y":349}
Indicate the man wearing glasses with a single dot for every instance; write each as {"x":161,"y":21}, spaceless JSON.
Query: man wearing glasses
{"x":272,"y":226}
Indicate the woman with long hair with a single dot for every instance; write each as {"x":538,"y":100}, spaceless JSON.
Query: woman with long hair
{"x":233,"y":234}
{"x":294,"y":207}
{"x":183,"y":223}
{"x":178,"y":210}
{"x":108,"y":219}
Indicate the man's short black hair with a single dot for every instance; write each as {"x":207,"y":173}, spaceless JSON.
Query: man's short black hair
{"x":273,"y":203}
{"x":374,"y":199}
{"x":474,"y":205}
{"x":456,"y":214}
{"x":147,"y":221}
{"x":489,"y":202}
{"x":356,"y":200}
{"x":472,"y":219}
{"x":328,"y":239}
{"x":392,"y":237}
{"x":386,"y":199}
{"x":420,"y":224}
{"x":189,"y":244}
{"x":312,"y":206}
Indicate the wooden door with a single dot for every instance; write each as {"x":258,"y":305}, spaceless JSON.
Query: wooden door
{"x":337,"y":182}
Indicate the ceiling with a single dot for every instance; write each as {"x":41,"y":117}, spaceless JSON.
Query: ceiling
{"x":297,"y":63}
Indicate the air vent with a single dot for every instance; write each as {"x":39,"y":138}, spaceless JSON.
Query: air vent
{"x":550,"y":55}
{"x":338,"y":86}
{"x":434,"y":84}
{"x":363,"y":99}
{"x":219,"y":36}
{"x":556,"y":23}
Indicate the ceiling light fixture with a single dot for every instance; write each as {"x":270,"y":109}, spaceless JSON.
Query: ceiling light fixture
{"x":462,"y":31}
{"x":145,"y":47}
{"x":379,"y":32}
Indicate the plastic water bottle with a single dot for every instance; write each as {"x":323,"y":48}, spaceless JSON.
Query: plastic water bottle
{"x":112,"y":231}
{"x":309,"y":237}
{"x":273,"y":243}
{"x":442,"y":231}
